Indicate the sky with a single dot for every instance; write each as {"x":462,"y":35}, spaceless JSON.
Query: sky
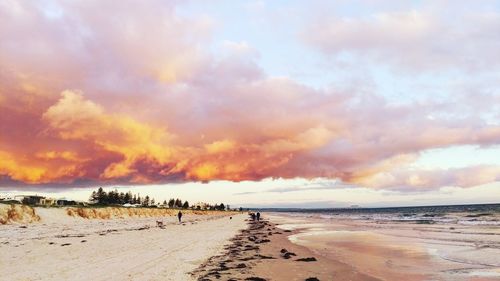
{"x":253,"y":103}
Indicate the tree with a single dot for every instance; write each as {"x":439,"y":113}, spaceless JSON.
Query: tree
{"x":102,"y":197}
{"x":126,"y":197}
{"x":164,"y":202}
{"x":222,"y":207}
{"x":111,"y":197}
{"x":116,"y":197}
{"x":178,"y":203}
{"x":122,"y":198}
{"x":185,"y":205}
{"x":93,"y":197}
{"x":171,"y":203}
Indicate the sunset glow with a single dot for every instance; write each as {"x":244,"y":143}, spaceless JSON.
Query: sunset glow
{"x":167,"y":92}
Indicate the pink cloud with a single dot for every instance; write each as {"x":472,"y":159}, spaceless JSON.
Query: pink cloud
{"x":132,"y":95}
{"x":428,"y":179}
{"x":435,"y":36}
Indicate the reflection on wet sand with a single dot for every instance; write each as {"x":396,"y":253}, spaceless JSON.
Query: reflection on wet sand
{"x":402,"y":250}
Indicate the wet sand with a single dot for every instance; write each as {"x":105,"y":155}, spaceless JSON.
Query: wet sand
{"x":264,"y":252}
{"x":286,"y":247}
{"x":401,"y":251}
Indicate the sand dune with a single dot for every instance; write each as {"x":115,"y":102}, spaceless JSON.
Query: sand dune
{"x":10,"y":213}
{"x":16,"y":213}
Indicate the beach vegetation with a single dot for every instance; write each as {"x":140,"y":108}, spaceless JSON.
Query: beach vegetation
{"x":100,"y":197}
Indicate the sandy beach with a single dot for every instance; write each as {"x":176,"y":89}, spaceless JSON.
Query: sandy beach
{"x":65,"y":244}
{"x":60,"y":247}
{"x":119,"y":244}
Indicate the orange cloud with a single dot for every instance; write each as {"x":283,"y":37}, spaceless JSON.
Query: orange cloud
{"x":144,"y":153}
{"x":74,"y":118}
{"x":75,"y":139}
{"x":14,"y":169}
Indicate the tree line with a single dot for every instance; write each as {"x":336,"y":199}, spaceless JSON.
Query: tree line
{"x":114,"y":197}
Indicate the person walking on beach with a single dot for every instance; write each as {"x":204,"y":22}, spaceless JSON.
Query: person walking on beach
{"x":179,"y":215}
{"x":258,"y":216}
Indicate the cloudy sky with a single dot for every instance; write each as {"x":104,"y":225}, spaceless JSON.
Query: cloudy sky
{"x":270,"y":103}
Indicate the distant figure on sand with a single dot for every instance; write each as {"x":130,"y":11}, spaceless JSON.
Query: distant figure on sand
{"x":253,"y":216}
{"x":159,"y":224}
{"x":258,"y":216}
{"x":179,"y":215}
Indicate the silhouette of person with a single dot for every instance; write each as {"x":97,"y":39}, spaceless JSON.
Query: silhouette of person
{"x":253,"y":216}
{"x":179,"y":215}
{"x":258,"y":216}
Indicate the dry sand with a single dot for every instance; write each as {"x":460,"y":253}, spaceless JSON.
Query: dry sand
{"x":60,"y":247}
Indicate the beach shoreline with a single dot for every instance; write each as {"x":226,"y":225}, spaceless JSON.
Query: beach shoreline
{"x":263,"y":251}
{"x":287,"y":246}
{"x":65,"y":243}
{"x":399,"y":249}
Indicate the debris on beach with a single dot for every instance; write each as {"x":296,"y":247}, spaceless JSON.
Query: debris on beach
{"x":310,"y":259}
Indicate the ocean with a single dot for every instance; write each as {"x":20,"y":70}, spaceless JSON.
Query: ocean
{"x":484,"y":214}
